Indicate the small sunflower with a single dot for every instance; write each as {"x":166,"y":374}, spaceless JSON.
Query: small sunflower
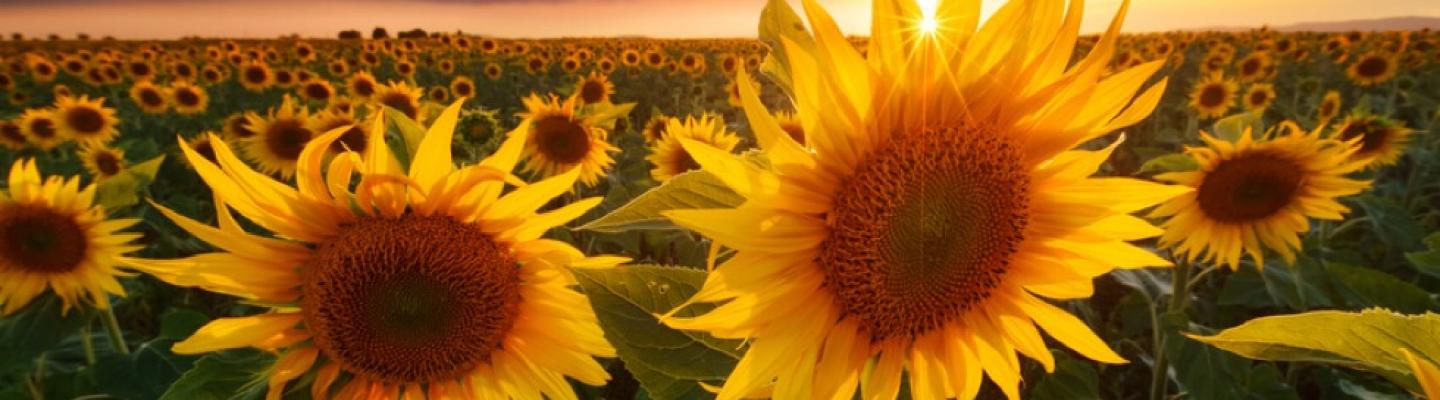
{"x":462,"y":87}
{"x":561,"y":140}
{"x":102,"y":162}
{"x":655,"y":128}
{"x":426,"y":283}
{"x":669,"y":156}
{"x":214,"y":74}
{"x":355,"y":138}
{"x":1373,"y":68}
{"x":1329,"y":106}
{"x":188,"y":99}
{"x":361,"y":85}
{"x":1213,"y":96}
{"x":938,"y":206}
{"x":400,"y":96}
{"x":203,"y":147}
{"x":237,"y":126}
{"x":256,"y":76}
{"x":316,"y":90}
{"x":11,"y":136}
{"x":1259,"y":96}
{"x":84,"y":120}
{"x":53,"y":236}
{"x":1382,"y":140}
{"x":493,"y":71}
{"x":594,"y":89}
{"x":40,"y":128}
{"x":1253,"y":194}
{"x":1254,"y":67}
{"x":150,"y":98}
{"x":279,"y":138}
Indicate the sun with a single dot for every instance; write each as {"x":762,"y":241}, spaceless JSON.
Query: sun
{"x":936,"y":208}
{"x":387,"y":281}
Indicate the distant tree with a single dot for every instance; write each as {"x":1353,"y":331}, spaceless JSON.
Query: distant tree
{"x":52,"y":37}
{"x":379,"y":33}
{"x":416,"y":33}
{"x":350,"y":34}
{"x":82,"y":36}
{"x":17,"y":36}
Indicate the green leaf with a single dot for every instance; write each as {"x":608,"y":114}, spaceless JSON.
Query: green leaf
{"x":1207,"y":373}
{"x":690,"y":190}
{"x":179,"y":323}
{"x":668,"y":363}
{"x":778,"y":21}
{"x":1230,"y":128}
{"x":146,"y":373}
{"x":1368,"y":340}
{"x":604,"y":115}
{"x":37,"y":328}
{"x":1174,"y":162}
{"x":1427,"y":262}
{"x":232,"y":374}
{"x":1374,"y":288}
{"x":1395,"y":225}
{"x":122,"y":190}
{"x":1072,"y":380}
{"x":410,"y":134}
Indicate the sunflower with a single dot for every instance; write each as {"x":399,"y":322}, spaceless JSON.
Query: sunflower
{"x":85,"y":120}
{"x":150,"y":98}
{"x":316,"y":90}
{"x":420,"y":284}
{"x":594,"y":89}
{"x":43,"y":71}
{"x":361,"y":85}
{"x":40,"y":128}
{"x":462,"y":87}
{"x":237,"y":126}
{"x":1213,"y":96}
{"x":202,"y":146}
{"x":560,"y":140}
{"x":355,"y":137}
{"x":438,"y":94}
{"x":1329,"y":106}
{"x":630,"y":58}
{"x":655,"y":127}
{"x":790,"y":123}
{"x":11,"y":136}
{"x":937,"y":206}
{"x":256,"y":76}
{"x":6,"y":82}
{"x":669,"y":156}
{"x":571,"y":65}
{"x":536,"y":65}
{"x":1254,"y":67}
{"x":140,"y":70}
{"x":52,"y":235}
{"x":492,"y":71}
{"x":1253,"y":194}
{"x":405,"y":69}
{"x":279,"y":138}
{"x":1382,"y":140}
{"x":102,"y":162}
{"x":188,"y":99}
{"x":214,"y":74}
{"x":1259,"y":96}
{"x":654,"y":58}
{"x":1372,"y":68}
{"x":400,"y":96}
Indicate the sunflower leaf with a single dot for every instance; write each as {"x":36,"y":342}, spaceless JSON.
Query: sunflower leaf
{"x":668,"y":363}
{"x":1173,"y":162}
{"x":778,"y":21}
{"x":35,"y":329}
{"x":690,"y":190}
{"x":1368,"y":340}
{"x":232,"y":374}
{"x":1427,"y":262}
{"x":122,"y":190}
{"x":1230,"y":128}
{"x":1371,"y":287}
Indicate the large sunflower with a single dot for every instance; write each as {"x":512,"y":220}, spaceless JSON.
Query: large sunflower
{"x":85,"y":120}
{"x":937,"y":206}
{"x":279,"y":138}
{"x":1253,"y":194}
{"x":419,"y":281}
{"x":1382,"y":140}
{"x":53,"y":235}
{"x":561,"y":140}
{"x":1213,"y":96}
{"x":670,"y":157}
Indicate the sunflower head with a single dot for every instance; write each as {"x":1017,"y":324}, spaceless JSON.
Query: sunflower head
{"x":41,"y":127}
{"x":402,"y":97}
{"x":256,"y":76}
{"x":1373,"y":68}
{"x":85,"y":120}
{"x":53,"y":236}
{"x":102,"y":162}
{"x":151,"y":99}
{"x":462,"y":87}
{"x":560,"y":139}
{"x":595,"y":88}
{"x":362,"y":85}
{"x":317,"y":90}
{"x":188,"y":99}
{"x":279,"y":137}
{"x":668,"y":155}
{"x":1381,"y":140}
{"x":1329,"y":106}
{"x":11,"y":136}
{"x":1213,"y":96}
{"x":935,"y":203}
{"x":421,"y":280}
{"x":1253,"y":194}
{"x":1259,"y":96}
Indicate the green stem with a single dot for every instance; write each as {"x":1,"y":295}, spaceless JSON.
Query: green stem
{"x":89,"y":345}
{"x":1179,"y":299}
{"x":117,"y":337}
{"x":35,"y":383}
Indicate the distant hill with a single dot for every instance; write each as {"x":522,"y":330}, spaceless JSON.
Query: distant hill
{"x":1381,"y":24}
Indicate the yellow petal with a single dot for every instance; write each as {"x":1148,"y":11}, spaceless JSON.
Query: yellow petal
{"x":231,"y":333}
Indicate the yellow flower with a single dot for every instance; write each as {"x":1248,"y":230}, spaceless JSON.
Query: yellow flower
{"x":53,"y":236}
{"x":1329,"y":106}
{"x":670,"y":157}
{"x":937,"y":205}
{"x":316,"y":90}
{"x":402,"y":97}
{"x":561,"y":140}
{"x":188,"y":99}
{"x":1382,"y":141}
{"x":279,"y":138}
{"x":426,"y":283}
{"x":1259,"y":96}
{"x":1213,"y":96}
{"x":39,"y":126}
{"x":361,"y":85}
{"x":462,"y":87}
{"x":151,"y":99}
{"x":11,"y":136}
{"x":84,"y":120}
{"x":256,"y":76}
{"x":1373,"y":68}
{"x":102,"y":162}
{"x":1255,"y":194}
{"x":594,"y":88}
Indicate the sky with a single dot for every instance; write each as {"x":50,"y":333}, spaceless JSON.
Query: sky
{"x":159,"y":19}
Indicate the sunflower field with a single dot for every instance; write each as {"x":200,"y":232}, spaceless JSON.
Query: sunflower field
{"x":945,"y":208}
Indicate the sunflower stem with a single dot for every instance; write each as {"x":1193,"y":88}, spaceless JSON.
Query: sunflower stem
{"x":35,"y":383}
{"x":117,"y":337}
{"x":87,"y":342}
{"x":1179,"y":299}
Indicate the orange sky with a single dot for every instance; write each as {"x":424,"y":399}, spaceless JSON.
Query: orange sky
{"x":550,"y":18}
